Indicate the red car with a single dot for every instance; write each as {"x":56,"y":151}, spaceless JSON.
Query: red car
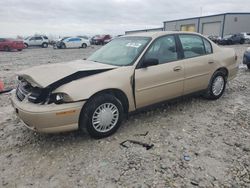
{"x":11,"y":44}
{"x":100,"y":39}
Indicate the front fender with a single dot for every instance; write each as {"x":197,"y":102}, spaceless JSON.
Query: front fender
{"x":84,"y":88}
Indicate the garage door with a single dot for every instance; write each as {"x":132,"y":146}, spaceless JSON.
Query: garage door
{"x":190,"y":28}
{"x":211,"y":29}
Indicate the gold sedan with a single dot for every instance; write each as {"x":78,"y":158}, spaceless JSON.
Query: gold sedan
{"x":129,"y":73}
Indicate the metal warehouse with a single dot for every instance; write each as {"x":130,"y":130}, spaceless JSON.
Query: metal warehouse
{"x":217,"y":25}
{"x":143,"y":30}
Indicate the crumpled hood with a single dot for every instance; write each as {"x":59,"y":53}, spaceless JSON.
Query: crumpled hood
{"x":45,"y":75}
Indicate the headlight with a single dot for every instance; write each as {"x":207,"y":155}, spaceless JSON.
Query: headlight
{"x":58,"y":98}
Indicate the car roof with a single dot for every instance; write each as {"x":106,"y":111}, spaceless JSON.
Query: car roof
{"x":159,"y":33}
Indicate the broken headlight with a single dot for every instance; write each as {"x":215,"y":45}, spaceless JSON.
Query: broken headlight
{"x":58,"y":98}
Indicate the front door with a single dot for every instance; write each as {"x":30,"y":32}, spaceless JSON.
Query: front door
{"x":32,"y":41}
{"x":163,"y":81}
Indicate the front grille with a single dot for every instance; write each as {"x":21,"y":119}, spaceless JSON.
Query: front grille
{"x":21,"y":91}
{"x":19,"y":94}
{"x":33,"y":94}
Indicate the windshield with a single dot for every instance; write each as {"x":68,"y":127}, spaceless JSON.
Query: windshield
{"x":121,"y":51}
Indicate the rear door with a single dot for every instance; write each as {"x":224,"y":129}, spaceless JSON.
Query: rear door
{"x":163,"y":81}
{"x":198,"y":62}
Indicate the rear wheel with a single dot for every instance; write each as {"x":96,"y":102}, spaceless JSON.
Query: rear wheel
{"x":242,"y":41}
{"x":45,"y":45}
{"x":248,"y":66}
{"x":101,"y":116}
{"x":216,"y":86}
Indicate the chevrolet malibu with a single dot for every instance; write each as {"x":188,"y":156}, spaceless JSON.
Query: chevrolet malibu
{"x":129,"y":73}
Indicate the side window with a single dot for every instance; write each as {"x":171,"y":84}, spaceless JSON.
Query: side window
{"x":45,"y":37}
{"x":38,"y":38}
{"x":32,"y":38}
{"x":208,"y":46}
{"x":163,"y":49}
{"x":2,"y":40}
{"x":192,"y":45}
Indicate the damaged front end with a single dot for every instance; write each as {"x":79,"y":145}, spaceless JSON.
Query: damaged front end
{"x":37,"y":95}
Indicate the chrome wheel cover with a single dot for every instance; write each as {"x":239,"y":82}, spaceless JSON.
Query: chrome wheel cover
{"x":105,"y":117}
{"x":218,"y":85}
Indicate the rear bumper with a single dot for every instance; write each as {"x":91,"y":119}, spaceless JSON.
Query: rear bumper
{"x":48,"y":118}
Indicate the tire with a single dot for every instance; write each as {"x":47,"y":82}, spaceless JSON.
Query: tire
{"x":93,"y":111}
{"x":242,"y":41}
{"x":20,"y":50}
{"x":84,"y":45}
{"x":45,"y":45}
{"x":26,"y":45}
{"x":63,"y":46}
{"x":6,"y":48}
{"x":248,"y":66}
{"x":213,"y":93}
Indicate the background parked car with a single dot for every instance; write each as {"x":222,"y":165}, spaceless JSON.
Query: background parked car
{"x":214,"y":38}
{"x":11,"y":44}
{"x":232,"y":39}
{"x":72,"y":42}
{"x":246,"y":37}
{"x":246,"y":58}
{"x":100,"y":39}
{"x":42,"y":41}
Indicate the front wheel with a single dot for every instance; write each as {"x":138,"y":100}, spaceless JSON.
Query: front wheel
{"x":216,"y":86}
{"x":63,"y":46}
{"x":6,"y":48}
{"x":101,"y":116}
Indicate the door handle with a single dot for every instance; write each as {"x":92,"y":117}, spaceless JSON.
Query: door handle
{"x":177,"y":68}
{"x":210,"y":62}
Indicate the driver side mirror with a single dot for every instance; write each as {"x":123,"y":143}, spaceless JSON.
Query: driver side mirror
{"x":149,"y":62}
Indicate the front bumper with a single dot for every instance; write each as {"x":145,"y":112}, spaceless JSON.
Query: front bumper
{"x":48,"y":118}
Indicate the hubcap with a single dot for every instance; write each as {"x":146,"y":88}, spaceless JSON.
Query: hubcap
{"x":105,"y":117}
{"x":218,"y":85}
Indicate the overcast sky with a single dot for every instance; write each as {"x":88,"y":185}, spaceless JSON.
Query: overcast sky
{"x":79,"y":17}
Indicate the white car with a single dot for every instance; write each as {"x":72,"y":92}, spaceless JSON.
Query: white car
{"x":72,"y":42}
{"x":42,"y":41}
{"x":246,"y":37}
